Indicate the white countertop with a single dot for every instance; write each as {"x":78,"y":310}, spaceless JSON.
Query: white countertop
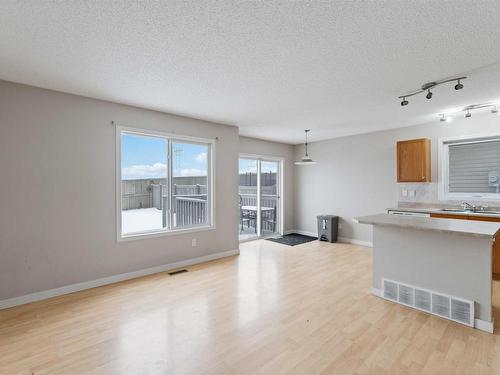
{"x":437,"y":210}
{"x":466,"y":227}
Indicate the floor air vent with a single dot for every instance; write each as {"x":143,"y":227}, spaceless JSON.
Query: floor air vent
{"x":405,"y":295}
{"x":460,"y":311}
{"x":449,"y":307}
{"x":423,"y":300}
{"x":441,"y":305}
{"x":390,"y":290}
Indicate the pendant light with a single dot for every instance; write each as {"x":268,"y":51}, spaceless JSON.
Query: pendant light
{"x":306,"y":160}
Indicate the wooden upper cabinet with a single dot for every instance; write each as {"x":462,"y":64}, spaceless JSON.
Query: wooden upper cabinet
{"x":414,"y":160}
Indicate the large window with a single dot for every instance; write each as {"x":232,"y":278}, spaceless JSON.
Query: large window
{"x":164,"y":183}
{"x":470,"y":168}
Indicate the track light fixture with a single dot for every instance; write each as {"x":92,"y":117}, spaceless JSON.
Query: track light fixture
{"x":469,"y":109}
{"x":445,"y":118}
{"x":430,"y":85}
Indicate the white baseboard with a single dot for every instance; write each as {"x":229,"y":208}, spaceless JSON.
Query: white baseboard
{"x":355,"y":242}
{"x":33,"y":297}
{"x":340,"y":239}
{"x":482,"y":325}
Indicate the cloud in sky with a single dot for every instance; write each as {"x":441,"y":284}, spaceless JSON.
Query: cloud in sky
{"x":157,"y":170}
{"x":201,"y":157}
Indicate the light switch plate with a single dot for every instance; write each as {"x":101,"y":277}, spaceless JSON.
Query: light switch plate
{"x":404,"y":192}
{"x":194,"y":242}
{"x":413,"y":193}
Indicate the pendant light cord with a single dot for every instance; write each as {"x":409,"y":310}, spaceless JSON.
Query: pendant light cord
{"x":306,"y":143}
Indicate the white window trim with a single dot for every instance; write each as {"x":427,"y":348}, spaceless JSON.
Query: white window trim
{"x":118,"y":176}
{"x":282,"y":190}
{"x":443,"y":167}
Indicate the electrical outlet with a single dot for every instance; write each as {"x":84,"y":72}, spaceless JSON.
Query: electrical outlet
{"x":413,"y":193}
{"x":194,"y":242}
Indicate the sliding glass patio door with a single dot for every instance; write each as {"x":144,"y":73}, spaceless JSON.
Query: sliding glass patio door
{"x":248,"y":175}
{"x":259,"y":197}
{"x":269,"y":197}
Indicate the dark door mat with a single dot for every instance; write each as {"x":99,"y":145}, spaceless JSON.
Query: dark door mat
{"x":293,"y":239}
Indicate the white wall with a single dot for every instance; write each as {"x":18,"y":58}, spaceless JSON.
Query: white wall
{"x":58,"y":229}
{"x":356,"y":175}
{"x":281,"y":150}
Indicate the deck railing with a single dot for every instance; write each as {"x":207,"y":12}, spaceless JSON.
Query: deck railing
{"x":268,"y":217}
{"x":190,"y":211}
{"x":265,"y":199}
{"x":147,"y":192}
{"x":189,"y":189}
{"x":189,"y":202}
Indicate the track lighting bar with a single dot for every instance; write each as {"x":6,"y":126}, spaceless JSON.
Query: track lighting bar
{"x":473,"y":107}
{"x":430,"y":85}
{"x":445,"y":118}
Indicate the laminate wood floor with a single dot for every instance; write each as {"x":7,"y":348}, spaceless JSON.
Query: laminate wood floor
{"x":273,"y":310}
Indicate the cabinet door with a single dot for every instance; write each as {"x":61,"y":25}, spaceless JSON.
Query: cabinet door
{"x":450,"y":216}
{"x":414,"y":160}
{"x":496,"y":245}
{"x":496,"y":258}
{"x":485,"y":218}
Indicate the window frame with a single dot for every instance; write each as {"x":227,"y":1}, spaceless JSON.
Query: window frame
{"x":444,"y":159}
{"x":171,"y":137}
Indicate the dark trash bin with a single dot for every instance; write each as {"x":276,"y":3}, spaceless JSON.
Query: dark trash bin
{"x":328,"y":227}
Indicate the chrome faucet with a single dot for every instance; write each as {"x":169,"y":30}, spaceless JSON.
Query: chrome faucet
{"x":468,"y":207}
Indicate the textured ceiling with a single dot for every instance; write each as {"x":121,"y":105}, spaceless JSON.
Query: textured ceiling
{"x":271,"y":68}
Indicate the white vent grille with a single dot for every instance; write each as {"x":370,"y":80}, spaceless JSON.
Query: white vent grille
{"x":405,"y":295}
{"x":460,"y":311}
{"x":390,"y":290}
{"x":449,"y":307}
{"x":441,"y":305}
{"x":423,"y":300}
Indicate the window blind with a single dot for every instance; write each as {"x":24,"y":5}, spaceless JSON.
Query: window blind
{"x":469,"y":165}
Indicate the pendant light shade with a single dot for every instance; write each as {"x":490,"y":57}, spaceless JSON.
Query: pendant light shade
{"x":306,"y":160}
